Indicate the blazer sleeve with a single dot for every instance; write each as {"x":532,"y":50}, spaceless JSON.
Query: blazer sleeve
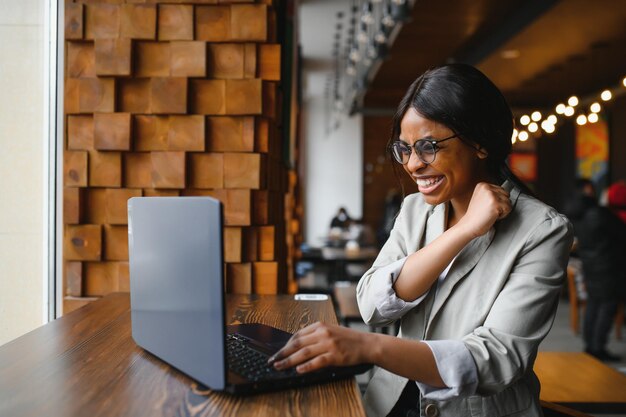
{"x":505,"y":346}
{"x":378,"y":302}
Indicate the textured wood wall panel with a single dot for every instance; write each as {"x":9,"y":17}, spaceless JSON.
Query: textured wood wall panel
{"x":188,"y":59}
{"x":73,"y":21}
{"x":175,"y":22}
{"x":134,"y":95}
{"x":81,"y":59}
{"x":105,"y":169}
{"x":83,"y":243}
{"x":73,"y":202}
{"x":172,"y":98}
{"x":208,"y":96}
{"x":168,"y":95}
{"x":74,"y":279}
{"x":138,"y":21}
{"x":102,"y":20}
{"x":213,"y":23}
{"x":111,"y":131}
{"x":80,"y":133}
{"x":113,"y":56}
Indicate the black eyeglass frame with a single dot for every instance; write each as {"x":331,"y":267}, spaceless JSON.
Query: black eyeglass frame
{"x":433,"y":142}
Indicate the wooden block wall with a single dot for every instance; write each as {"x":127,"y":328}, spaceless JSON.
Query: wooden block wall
{"x":172,"y":98}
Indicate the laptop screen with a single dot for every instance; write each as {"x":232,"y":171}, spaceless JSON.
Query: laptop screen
{"x":177,"y":286}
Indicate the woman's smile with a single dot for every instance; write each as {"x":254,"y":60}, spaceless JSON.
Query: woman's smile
{"x":428,"y":184}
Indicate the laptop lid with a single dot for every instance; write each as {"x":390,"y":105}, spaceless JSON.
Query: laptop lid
{"x":176,"y":283}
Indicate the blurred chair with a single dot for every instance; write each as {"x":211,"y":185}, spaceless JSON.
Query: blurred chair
{"x":576,"y":306}
{"x":555,"y":410}
{"x":344,"y":294}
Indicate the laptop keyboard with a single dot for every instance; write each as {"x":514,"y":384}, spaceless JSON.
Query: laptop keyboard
{"x":251,"y":363}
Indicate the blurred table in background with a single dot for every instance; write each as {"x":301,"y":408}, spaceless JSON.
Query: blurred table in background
{"x":580,"y":381}
{"x":339,"y":259}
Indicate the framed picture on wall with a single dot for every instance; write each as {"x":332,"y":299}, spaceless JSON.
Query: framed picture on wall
{"x":592,"y":151}
{"x":524,"y":165}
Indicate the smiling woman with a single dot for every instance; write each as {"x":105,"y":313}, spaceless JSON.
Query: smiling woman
{"x":472,"y":269}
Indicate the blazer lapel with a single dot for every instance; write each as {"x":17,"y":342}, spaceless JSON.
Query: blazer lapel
{"x":466,"y":260}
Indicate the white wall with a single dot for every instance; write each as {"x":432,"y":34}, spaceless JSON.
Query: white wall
{"x":21,"y":166}
{"x":334,"y":169}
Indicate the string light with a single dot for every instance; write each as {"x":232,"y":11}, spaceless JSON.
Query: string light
{"x":548,"y":124}
{"x":560,"y":108}
{"x":595,"y":107}
{"x":523,"y":136}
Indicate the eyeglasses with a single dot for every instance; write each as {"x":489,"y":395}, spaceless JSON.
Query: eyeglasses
{"x":426,"y":149}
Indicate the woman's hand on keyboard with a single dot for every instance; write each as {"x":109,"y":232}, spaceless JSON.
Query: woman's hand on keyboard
{"x":320,"y":345}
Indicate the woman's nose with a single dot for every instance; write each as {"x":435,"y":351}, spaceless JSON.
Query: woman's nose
{"x":414,"y":162}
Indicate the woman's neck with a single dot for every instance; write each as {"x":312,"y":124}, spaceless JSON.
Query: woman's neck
{"x":456,"y":209}
{"x":458,"y":205}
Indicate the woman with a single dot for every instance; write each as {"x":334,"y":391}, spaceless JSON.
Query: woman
{"x":472,"y":269}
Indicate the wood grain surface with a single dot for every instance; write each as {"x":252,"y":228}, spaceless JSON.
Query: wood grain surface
{"x":580,"y":381}
{"x":86,"y":364}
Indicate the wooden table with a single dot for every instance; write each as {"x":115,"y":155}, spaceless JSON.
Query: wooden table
{"x":86,"y":364}
{"x":581,"y":382}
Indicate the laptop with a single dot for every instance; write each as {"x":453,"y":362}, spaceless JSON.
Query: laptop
{"x":178,"y":303}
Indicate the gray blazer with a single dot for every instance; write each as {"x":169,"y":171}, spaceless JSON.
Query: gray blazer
{"x":499,"y":298}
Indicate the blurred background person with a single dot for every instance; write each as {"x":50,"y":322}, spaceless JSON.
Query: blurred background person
{"x":341,"y":220}
{"x":601,"y":246}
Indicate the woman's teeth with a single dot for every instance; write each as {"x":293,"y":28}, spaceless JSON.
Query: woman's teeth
{"x":427,"y":182}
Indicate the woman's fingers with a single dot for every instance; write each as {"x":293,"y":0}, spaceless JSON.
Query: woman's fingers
{"x":301,"y":355}
{"x":299,"y":339}
{"x":314,"y":364}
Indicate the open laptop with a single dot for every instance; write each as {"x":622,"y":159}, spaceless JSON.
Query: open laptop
{"x":177,"y":301}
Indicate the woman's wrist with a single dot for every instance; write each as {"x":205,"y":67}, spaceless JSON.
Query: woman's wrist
{"x":463,"y":232}
{"x":372,"y":344}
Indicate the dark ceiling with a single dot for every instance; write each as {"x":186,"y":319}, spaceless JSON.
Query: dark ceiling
{"x":559,"y":48}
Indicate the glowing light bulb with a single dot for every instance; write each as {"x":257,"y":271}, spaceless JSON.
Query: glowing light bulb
{"x":569,"y":111}
{"x":552,"y":119}
{"x":536,"y":116}
{"x":606,"y":95}
{"x":624,"y":82}
{"x":523,"y":136}
{"x":592,"y":118}
{"x":595,"y":107}
{"x":549,"y":129}
{"x":515,"y":132}
{"x":533,"y":127}
{"x":581,"y":119}
{"x":545,"y":124}
{"x":572,"y":101}
{"x":524,"y":120}
{"x":560,"y":108}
